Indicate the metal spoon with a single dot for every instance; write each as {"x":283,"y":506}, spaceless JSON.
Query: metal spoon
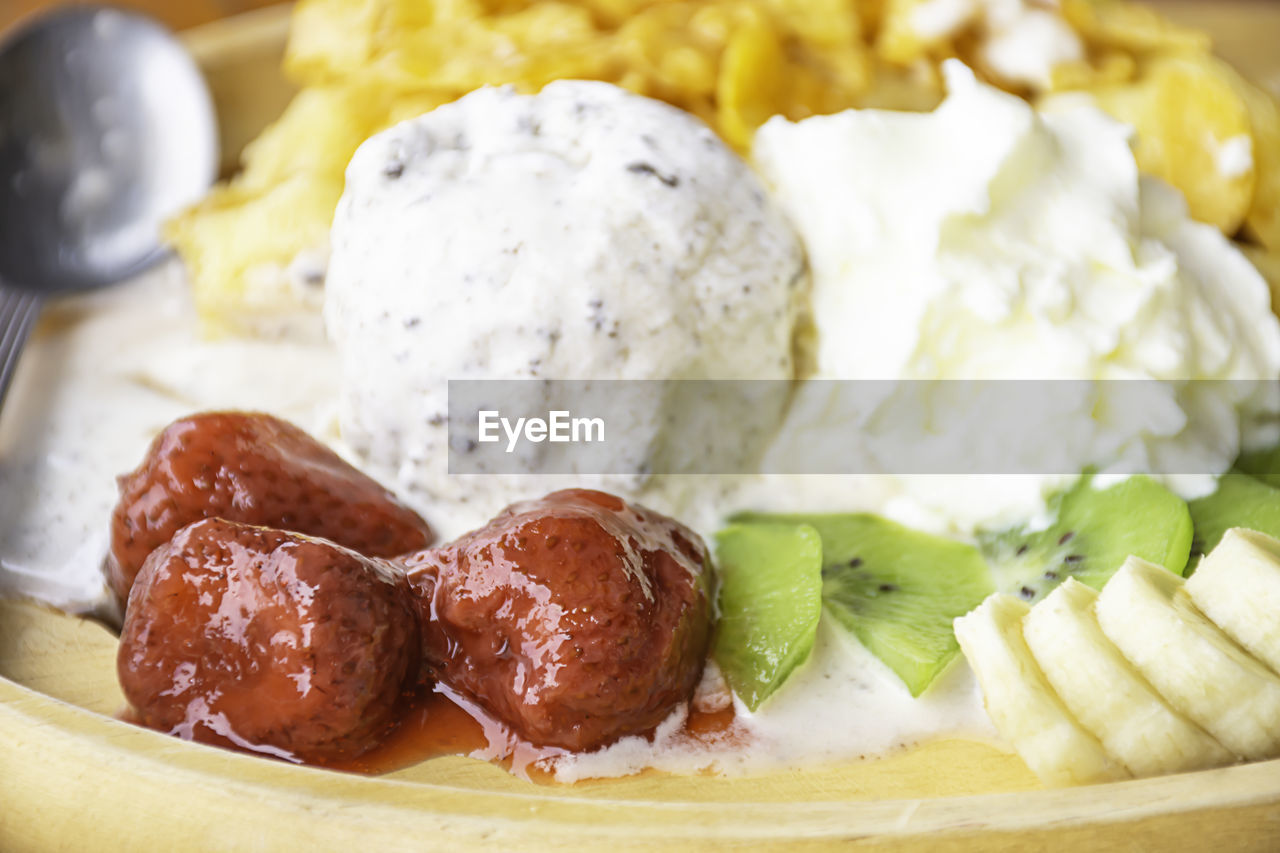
{"x":106,"y":129}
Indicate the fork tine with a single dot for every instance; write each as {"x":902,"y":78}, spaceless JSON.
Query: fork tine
{"x":18,"y":313}
{"x":25,"y":307}
{"x":11,"y":305}
{"x":9,"y":302}
{"x":11,"y":311}
{"x":17,"y":323}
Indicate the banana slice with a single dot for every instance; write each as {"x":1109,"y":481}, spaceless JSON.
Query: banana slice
{"x":1020,"y":702}
{"x":1238,"y":586}
{"x":1199,"y":670}
{"x":1108,"y":697}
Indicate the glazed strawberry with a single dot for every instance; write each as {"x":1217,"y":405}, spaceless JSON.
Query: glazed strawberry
{"x":575,"y":619}
{"x":255,"y":469}
{"x":268,"y":641}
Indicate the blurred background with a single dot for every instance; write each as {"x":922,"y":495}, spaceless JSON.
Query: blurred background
{"x":180,"y":14}
{"x":1235,"y":35}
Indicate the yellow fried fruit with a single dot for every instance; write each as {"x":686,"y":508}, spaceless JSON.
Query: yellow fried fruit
{"x":672,"y":50}
{"x":240,"y":241}
{"x":917,"y":88}
{"x":317,"y":134}
{"x":912,"y":30}
{"x":528,"y":48}
{"x":1263,"y":219}
{"x":824,"y":23}
{"x":329,"y":39}
{"x":1108,"y":68}
{"x":614,"y":13}
{"x":238,"y":245}
{"x":760,"y":78}
{"x":1131,"y":27}
{"x":1193,"y":130}
{"x":871,"y":16}
{"x":1267,"y":262}
{"x":828,"y":80}
{"x":366,"y":64}
{"x":409,"y":16}
{"x":750,"y":89}
{"x":410,"y":105}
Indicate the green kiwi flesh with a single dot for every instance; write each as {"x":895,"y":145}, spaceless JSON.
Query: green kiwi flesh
{"x":897,"y":590}
{"x":1262,"y":465}
{"x":770,"y":601}
{"x":1092,"y":531}
{"x":1240,"y":501}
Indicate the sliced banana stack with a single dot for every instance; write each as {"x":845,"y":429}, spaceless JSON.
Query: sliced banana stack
{"x":1021,"y":702}
{"x":1107,"y":695}
{"x":1238,"y":587}
{"x":1197,"y":668}
{"x":1152,"y":675}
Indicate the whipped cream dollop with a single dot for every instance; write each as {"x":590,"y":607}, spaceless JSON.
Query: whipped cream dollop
{"x":581,"y":233}
{"x":989,"y":241}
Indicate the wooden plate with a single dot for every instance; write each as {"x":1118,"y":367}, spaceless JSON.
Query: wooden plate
{"x":73,"y":777}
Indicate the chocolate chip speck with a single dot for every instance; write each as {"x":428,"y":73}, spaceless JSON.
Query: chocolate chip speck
{"x":642,"y":168}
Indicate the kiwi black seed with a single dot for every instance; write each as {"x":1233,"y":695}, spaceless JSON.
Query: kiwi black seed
{"x":1091,"y":533}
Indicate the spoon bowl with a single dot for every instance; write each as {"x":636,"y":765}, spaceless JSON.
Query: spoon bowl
{"x":106,"y":129}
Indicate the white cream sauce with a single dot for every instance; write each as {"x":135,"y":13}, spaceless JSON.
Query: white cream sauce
{"x":101,"y":377}
{"x":842,"y":703}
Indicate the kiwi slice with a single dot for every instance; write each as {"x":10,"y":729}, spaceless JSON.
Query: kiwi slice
{"x":1263,"y":465}
{"x":1093,"y":531}
{"x":897,"y":590}
{"x":1240,"y":501}
{"x":770,"y":601}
